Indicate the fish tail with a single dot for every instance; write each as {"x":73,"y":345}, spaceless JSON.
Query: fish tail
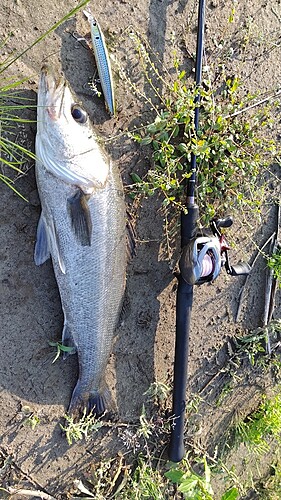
{"x":96,"y":402}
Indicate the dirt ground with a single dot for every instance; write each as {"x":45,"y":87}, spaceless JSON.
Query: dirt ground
{"x":30,"y":307}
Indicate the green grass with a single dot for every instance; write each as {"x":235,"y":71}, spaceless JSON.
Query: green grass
{"x":60,"y":348}
{"x":264,"y":424}
{"x":115,"y":479}
{"x":13,"y":156}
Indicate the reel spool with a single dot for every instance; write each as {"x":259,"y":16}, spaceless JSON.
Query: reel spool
{"x":203,"y":257}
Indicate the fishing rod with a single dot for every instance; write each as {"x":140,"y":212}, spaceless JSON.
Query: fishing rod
{"x":202,"y":258}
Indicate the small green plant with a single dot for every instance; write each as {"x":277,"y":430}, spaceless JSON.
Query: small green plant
{"x":146,"y":426}
{"x":32,"y":421}
{"x":61,"y":349}
{"x":146,"y":482}
{"x":254,"y":343}
{"x":30,"y":418}
{"x":114,"y":479}
{"x":12,"y":155}
{"x":158,"y":392}
{"x":75,"y":431}
{"x":196,"y":486}
{"x":193,"y":404}
{"x":264,"y":423}
{"x":226,"y":390}
{"x":105,"y":479}
{"x":274,"y":263}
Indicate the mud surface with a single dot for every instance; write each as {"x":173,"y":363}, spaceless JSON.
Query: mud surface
{"x":31,"y":314}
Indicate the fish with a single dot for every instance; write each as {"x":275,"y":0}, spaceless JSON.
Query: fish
{"x":103,"y":62}
{"x":82,"y":227}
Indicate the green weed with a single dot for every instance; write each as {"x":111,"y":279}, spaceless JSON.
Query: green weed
{"x":196,"y":486}
{"x":146,"y":482}
{"x":257,"y":428}
{"x":146,"y":426}
{"x":158,"y":392}
{"x":115,"y":479}
{"x":193,"y":404}
{"x":226,"y":390}
{"x":32,"y":421}
{"x":61,"y":349}
{"x":12,"y":155}
{"x":253,"y":344}
{"x":274,"y":263}
{"x":104,"y":480}
{"x":231,"y":146}
{"x":230,"y":150}
{"x":75,"y":431}
{"x":30,"y":418}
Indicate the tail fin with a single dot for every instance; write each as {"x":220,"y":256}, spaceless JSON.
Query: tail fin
{"x":96,"y":402}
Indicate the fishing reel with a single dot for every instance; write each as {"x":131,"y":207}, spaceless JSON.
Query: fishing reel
{"x":204,"y":256}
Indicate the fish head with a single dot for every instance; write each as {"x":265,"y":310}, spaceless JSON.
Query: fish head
{"x":65,"y":141}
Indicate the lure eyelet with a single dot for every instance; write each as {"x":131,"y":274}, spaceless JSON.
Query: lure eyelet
{"x":78,"y":113}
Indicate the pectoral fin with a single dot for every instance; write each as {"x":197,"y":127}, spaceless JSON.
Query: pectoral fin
{"x":46,"y":239}
{"x":41,"y":251}
{"x":80,"y":217}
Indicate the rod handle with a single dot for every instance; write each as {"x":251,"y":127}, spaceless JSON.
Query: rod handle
{"x":183,"y":314}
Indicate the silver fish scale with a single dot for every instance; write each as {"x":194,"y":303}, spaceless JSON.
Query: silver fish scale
{"x":92,"y":287}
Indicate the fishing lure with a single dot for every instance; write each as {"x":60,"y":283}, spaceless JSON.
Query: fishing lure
{"x":103,"y":62}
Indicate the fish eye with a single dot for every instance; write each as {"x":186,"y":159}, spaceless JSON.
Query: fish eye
{"x":78,"y":113}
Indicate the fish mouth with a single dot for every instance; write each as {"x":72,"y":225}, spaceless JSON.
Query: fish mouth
{"x":51,"y":92}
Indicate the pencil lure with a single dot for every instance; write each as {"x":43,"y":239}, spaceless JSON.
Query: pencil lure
{"x":103,"y":62}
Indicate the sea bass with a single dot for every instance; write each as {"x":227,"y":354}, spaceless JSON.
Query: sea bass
{"x":82,"y":228}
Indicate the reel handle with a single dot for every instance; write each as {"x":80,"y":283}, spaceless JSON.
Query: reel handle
{"x":225,"y":222}
{"x":239,"y":269}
